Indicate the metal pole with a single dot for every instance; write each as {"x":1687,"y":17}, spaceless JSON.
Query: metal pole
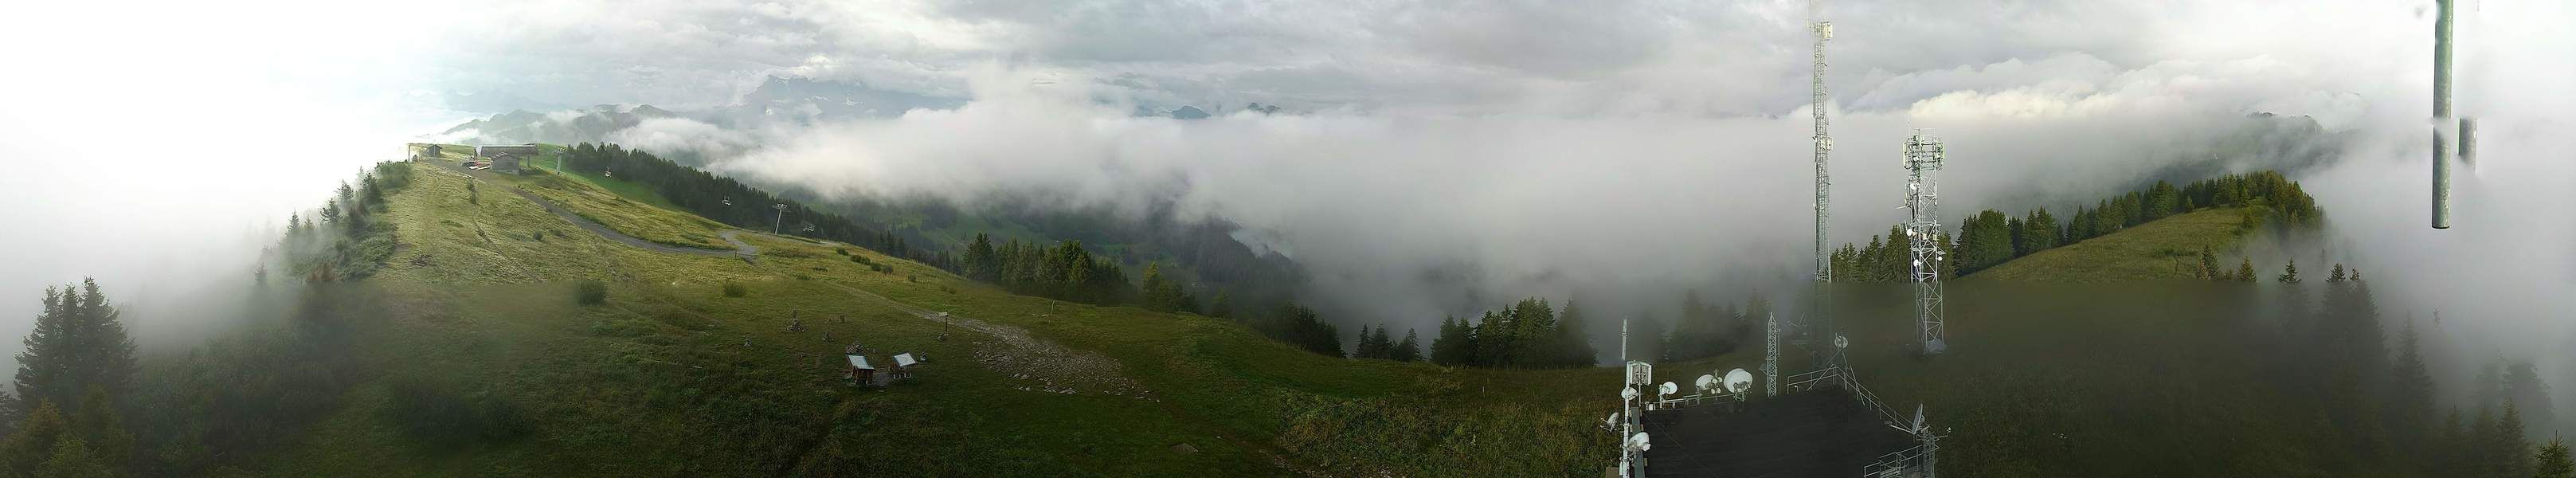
{"x":2441,"y":115}
{"x":774,"y":222}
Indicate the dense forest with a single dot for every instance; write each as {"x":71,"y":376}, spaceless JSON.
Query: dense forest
{"x":83,"y":405}
{"x":733,"y":203}
{"x":1527,"y":334}
{"x":1991,"y":237}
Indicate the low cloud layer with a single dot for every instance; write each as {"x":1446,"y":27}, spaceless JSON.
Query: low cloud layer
{"x":1446,"y":156}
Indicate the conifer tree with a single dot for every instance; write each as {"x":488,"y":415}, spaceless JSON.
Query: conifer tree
{"x":1456,"y":344}
{"x":1381,"y":347}
{"x":2289,"y":273}
{"x":2336,"y":275}
{"x":2245,"y":270}
{"x":27,"y":449}
{"x":2512,"y":448}
{"x":77,"y":345}
{"x":2411,"y":400}
{"x":2553,"y":462}
{"x":2209,"y":265}
{"x":1409,"y":350}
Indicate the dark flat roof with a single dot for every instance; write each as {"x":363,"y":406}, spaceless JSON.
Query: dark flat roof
{"x":1822,"y":432}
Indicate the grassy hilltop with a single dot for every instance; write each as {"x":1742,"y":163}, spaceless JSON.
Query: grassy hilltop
{"x":2164,"y":249}
{"x":658,"y":381}
{"x":2043,"y":380}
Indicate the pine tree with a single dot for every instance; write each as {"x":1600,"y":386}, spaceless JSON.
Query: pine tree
{"x":77,"y":345}
{"x":2337,"y":275}
{"x":1159,"y":296}
{"x":73,"y":458}
{"x":2411,"y":400}
{"x":1456,"y":344}
{"x":1362,"y":349}
{"x":2553,"y":461}
{"x":2513,"y":449}
{"x":1381,"y":347}
{"x":2289,"y":273}
{"x":982,"y":263}
{"x":1573,"y":345}
{"x":2245,"y":270}
{"x":27,"y":449}
{"x":1409,"y":350}
{"x":2209,"y":265}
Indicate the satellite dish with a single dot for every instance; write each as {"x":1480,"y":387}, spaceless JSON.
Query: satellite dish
{"x":1739,"y":381}
{"x":1666,"y":389}
{"x":1612,"y":421}
{"x":1841,"y":343}
{"x":1627,"y":393}
{"x":1705,"y":384}
{"x":1638,"y":442}
{"x":1918,"y":417}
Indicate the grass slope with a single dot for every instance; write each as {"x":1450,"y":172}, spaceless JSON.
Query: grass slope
{"x":2042,"y":379}
{"x":658,"y":382}
{"x":2166,"y":248}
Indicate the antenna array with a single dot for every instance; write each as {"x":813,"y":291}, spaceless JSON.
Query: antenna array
{"x":1923,"y":157}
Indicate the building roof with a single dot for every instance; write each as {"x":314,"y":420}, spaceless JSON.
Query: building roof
{"x":1823,"y":432}
{"x":860,"y":362}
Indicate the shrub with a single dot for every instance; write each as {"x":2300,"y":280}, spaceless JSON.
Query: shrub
{"x":591,"y":292}
{"x":802,"y":276}
{"x":862,"y":259}
{"x":841,"y":250}
{"x":735,"y":290}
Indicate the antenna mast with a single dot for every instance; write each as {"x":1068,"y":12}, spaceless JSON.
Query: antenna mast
{"x":1823,"y":30}
{"x":1923,"y":156}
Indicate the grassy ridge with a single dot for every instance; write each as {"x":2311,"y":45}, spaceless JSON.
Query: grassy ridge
{"x":2163,"y":249}
{"x":657,"y":382}
{"x":2042,"y":380}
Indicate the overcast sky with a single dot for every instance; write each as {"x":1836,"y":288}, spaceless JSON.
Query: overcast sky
{"x":1547,"y":147}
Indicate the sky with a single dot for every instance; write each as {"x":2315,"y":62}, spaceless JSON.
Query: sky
{"x":1441,"y":156}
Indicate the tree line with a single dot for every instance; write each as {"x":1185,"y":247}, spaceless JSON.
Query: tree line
{"x":83,"y":405}
{"x":344,"y":238}
{"x":1990,"y":237}
{"x":733,"y":203}
{"x":2382,"y":395}
{"x":1527,"y":334}
{"x":1065,"y":271}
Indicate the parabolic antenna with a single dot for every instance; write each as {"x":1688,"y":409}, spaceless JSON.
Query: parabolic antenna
{"x":1638,"y":442}
{"x":1705,"y":383}
{"x":1627,"y":393}
{"x":1841,"y":343}
{"x":1612,"y":421}
{"x":1738,"y":381}
{"x":1666,"y":389}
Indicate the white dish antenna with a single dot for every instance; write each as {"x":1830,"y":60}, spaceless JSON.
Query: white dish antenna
{"x":1918,"y":417}
{"x":1627,"y":393}
{"x":1841,"y":343}
{"x":1739,"y":381}
{"x":1638,"y":442}
{"x":1666,"y":389}
{"x":1613,"y":421}
{"x":1705,"y":384}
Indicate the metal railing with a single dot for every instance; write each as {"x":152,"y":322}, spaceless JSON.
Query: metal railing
{"x":1907,"y":463}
